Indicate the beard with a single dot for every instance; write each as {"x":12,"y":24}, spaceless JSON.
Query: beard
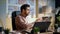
{"x":27,"y":14}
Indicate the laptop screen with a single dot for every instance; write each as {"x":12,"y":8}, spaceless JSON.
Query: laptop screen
{"x":42,"y":25}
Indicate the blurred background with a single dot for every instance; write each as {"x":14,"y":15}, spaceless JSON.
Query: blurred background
{"x":39,"y":9}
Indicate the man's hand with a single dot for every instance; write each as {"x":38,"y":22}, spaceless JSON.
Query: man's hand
{"x":38,"y":20}
{"x":29,"y":26}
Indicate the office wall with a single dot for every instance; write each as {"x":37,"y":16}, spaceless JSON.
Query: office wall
{"x":3,"y":12}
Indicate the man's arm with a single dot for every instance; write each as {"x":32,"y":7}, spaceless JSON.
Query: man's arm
{"x":30,"y":25}
{"x":20,"y":24}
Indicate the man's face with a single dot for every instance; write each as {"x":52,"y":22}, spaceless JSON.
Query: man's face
{"x":27,"y":11}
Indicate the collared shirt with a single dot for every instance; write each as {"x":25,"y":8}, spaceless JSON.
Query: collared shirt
{"x":22,"y":23}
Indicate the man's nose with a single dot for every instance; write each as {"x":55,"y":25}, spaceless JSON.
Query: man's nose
{"x":28,"y":11}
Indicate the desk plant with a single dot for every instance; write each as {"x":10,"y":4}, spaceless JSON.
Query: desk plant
{"x":6,"y":31}
{"x":36,"y":30}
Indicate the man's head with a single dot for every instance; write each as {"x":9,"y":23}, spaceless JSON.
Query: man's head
{"x":25,"y":9}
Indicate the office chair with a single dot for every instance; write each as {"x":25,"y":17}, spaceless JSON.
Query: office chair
{"x":14,"y":14}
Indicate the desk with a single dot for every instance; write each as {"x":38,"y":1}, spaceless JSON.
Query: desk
{"x":47,"y":33}
{"x":0,"y":32}
{"x":20,"y":33}
{"x":56,"y":32}
{"x":39,"y":33}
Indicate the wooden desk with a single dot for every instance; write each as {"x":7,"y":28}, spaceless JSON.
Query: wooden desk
{"x":0,"y":32}
{"x":45,"y":33}
{"x":35,"y":33}
{"x":56,"y":32}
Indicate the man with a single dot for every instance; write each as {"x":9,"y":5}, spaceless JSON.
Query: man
{"x":21,"y":23}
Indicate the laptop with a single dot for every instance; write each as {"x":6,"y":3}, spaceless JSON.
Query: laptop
{"x":42,"y":25}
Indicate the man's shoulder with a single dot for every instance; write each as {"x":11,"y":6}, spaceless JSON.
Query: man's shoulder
{"x":18,"y":16}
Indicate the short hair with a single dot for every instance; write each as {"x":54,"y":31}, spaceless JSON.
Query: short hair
{"x":24,"y":6}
